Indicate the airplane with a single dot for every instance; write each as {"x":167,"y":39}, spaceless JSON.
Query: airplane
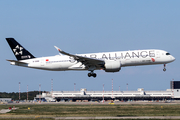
{"x":107,"y":61}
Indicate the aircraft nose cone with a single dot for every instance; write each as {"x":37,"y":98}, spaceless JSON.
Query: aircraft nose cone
{"x":173,"y":58}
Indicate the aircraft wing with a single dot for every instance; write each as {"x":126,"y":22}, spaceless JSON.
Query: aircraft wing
{"x":85,"y":60}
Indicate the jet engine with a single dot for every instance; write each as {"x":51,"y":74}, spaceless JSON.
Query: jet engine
{"x":112,"y":66}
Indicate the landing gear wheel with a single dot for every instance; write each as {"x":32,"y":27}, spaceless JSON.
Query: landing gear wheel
{"x":92,"y":74}
{"x":89,"y":74}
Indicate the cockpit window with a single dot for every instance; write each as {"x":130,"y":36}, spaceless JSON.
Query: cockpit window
{"x":167,"y":53}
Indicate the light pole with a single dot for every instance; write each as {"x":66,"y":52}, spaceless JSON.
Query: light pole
{"x":112,"y":88}
{"x":172,"y":88}
{"x":103,"y":93}
{"x":74,"y":86}
{"x":127,"y":86}
{"x":19,"y":90}
{"x":39,"y":93}
{"x":27,"y":92}
{"x":52,"y":87}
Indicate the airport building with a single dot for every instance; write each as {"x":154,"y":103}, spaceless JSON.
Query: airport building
{"x":5,"y":100}
{"x":140,"y":94}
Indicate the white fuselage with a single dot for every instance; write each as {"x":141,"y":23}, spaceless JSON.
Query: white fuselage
{"x":126,"y":58}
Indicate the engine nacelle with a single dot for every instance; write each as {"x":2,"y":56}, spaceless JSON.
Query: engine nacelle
{"x":112,"y":66}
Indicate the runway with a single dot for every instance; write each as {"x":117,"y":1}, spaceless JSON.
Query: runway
{"x":100,"y":103}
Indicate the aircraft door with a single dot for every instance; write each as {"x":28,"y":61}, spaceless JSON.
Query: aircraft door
{"x":42,"y":62}
{"x":157,"y":54}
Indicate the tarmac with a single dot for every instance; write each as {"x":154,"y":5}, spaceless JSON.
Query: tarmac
{"x":99,"y":103}
{"x":4,"y":110}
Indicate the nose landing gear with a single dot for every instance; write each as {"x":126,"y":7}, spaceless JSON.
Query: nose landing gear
{"x":92,"y":74}
{"x":164,"y":68}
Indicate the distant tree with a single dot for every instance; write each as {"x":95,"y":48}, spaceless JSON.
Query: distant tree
{"x":23,"y":96}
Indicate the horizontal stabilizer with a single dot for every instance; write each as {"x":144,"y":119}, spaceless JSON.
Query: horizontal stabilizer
{"x":14,"y":62}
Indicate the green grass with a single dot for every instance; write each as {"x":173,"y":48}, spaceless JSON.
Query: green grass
{"x":62,"y":110}
{"x":26,"y":119}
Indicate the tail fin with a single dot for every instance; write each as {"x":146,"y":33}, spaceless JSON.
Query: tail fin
{"x":19,"y":51}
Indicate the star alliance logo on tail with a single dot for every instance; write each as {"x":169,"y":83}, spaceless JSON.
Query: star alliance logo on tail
{"x":18,"y":50}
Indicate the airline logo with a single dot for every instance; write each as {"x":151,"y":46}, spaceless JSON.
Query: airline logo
{"x":18,"y":50}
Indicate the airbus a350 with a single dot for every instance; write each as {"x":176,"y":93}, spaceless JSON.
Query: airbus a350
{"x":107,"y":61}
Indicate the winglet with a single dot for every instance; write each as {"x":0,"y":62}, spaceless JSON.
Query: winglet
{"x":62,"y":52}
{"x":58,"y":48}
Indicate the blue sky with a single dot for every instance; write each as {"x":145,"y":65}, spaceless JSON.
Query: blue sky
{"x":87,"y":27}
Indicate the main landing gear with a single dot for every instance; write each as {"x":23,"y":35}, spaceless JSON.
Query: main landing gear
{"x":164,"y":68}
{"x":92,"y":74}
